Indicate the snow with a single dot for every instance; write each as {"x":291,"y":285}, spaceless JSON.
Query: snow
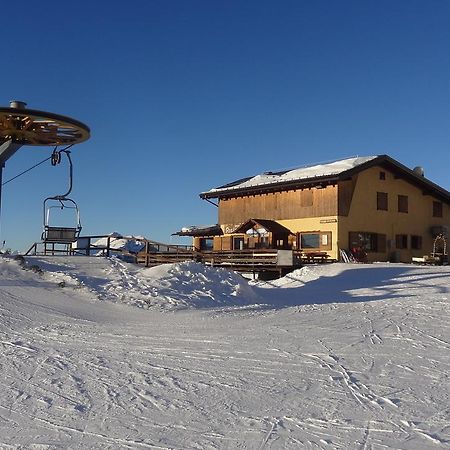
{"x":98,"y":353}
{"x":191,"y":228}
{"x":302,"y":173}
{"x":132,"y":244}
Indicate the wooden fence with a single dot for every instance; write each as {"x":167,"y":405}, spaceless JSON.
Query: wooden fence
{"x":155,"y":253}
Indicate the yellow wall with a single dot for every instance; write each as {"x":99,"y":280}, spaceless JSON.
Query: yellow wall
{"x":329,"y":223}
{"x":364,"y":216}
{"x":322,"y":224}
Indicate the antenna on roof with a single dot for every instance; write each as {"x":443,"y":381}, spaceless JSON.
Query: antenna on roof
{"x":418,"y":170}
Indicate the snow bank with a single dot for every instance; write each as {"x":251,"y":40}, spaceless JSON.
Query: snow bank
{"x":191,"y":284}
{"x":166,"y":287}
{"x":132,"y":244}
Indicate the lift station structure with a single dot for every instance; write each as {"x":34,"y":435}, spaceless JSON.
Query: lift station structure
{"x":20,"y":126}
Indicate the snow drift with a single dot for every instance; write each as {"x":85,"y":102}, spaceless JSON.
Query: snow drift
{"x":166,"y":287}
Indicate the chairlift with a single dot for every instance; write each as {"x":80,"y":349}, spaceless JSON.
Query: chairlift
{"x":58,"y":234}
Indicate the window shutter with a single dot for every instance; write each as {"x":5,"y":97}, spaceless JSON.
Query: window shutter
{"x":306,"y":198}
{"x":403,"y":203}
{"x":381,"y":243}
{"x":382,"y":201}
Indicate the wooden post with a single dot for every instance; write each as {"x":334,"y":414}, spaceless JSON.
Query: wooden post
{"x":146,"y":254}
{"x":108,"y":243}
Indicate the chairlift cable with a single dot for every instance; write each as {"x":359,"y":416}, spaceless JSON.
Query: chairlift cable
{"x":39,"y":163}
{"x":25,"y":171}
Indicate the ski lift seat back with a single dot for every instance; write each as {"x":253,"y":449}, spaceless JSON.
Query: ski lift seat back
{"x":60,"y":235}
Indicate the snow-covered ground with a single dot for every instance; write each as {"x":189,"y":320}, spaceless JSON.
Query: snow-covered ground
{"x":97,"y":353}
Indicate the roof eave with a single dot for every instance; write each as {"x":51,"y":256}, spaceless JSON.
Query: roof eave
{"x":271,"y":187}
{"x":386,"y":161}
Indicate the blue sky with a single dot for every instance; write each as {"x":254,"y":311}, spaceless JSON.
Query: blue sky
{"x":183,"y":96}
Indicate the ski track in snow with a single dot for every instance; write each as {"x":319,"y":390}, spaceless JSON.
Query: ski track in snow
{"x":100,"y":354}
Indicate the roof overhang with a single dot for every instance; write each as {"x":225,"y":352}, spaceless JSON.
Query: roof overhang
{"x":272,"y":187}
{"x":200,"y":231}
{"x":384,"y":161}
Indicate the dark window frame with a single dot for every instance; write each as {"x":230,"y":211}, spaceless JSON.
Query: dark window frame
{"x":239,"y":238}
{"x":322,"y":247}
{"x":401,"y":241}
{"x":367,"y":241}
{"x":206,"y":244}
{"x":382,"y":201}
{"x":438,"y":209}
{"x":402,"y":203}
{"x":416,"y":242}
{"x":309,"y":236}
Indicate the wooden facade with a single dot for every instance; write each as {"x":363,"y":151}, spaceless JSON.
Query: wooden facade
{"x":284,"y":205}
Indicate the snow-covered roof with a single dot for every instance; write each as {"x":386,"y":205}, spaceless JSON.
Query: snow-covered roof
{"x":298,"y":174}
{"x":199,"y":230}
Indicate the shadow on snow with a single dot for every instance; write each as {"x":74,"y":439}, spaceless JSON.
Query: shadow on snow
{"x":358,"y":284}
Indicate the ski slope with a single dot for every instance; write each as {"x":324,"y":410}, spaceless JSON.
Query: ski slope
{"x":97,"y":353}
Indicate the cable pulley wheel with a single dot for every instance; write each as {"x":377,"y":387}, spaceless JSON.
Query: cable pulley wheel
{"x":33,"y":127}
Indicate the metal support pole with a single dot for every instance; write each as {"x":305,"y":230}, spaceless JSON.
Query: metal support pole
{"x":2,"y":164}
{"x":7,"y":149}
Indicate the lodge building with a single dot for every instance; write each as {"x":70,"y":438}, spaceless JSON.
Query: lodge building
{"x":372,"y":206}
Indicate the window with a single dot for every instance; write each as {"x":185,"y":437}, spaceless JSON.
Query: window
{"x":311,"y":240}
{"x":382,"y":175}
{"x":401,"y":241}
{"x":403,"y":203}
{"x":280,"y":243}
{"x":315,"y":240}
{"x":416,"y":242}
{"x":382,"y":201}
{"x":264,"y":242}
{"x":437,"y":209}
{"x":238,"y":243}
{"x":369,"y":242}
{"x":206,"y":244}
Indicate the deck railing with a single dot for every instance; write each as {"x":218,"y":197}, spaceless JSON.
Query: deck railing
{"x":155,"y":253}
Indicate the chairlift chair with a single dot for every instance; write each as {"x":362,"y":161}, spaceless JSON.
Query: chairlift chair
{"x":60,"y":234}
{"x":57,"y":234}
